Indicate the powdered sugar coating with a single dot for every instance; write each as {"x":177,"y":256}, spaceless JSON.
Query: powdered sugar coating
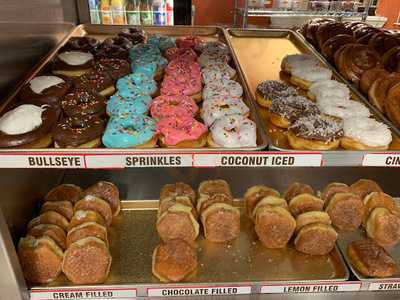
{"x":367,"y":131}
{"x":329,"y":88}
{"x":342,"y":108}
{"x":312,"y":73}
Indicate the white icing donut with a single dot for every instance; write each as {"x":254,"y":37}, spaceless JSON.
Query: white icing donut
{"x":228,"y":71}
{"x":295,"y":61}
{"x":342,"y":108}
{"x":22,"y":119}
{"x":75,"y":58}
{"x":222,"y":88}
{"x":234,"y":131}
{"x":211,"y":46}
{"x":209,"y":57}
{"x":329,"y":88}
{"x":210,"y":75}
{"x":312,"y":73}
{"x":40,"y":83}
{"x":217,"y":108}
{"x":367,"y":131}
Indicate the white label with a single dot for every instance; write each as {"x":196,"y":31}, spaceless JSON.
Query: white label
{"x":381,"y":160}
{"x":199,"y":291}
{"x":384,"y":286}
{"x":257,"y":160}
{"x":139,"y":160}
{"x":42,"y":161}
{"x":104,"y":293}
{"x":310,"y":288}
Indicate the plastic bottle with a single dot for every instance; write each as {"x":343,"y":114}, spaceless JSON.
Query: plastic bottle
{"x":169,"y":10}
{"x":159,"y":14}
{"x":105,"y":9}
{"x":133,"y":12}
{"x":94,"y":12}
{"x":146,"y":13}
{"x":118,"y":12}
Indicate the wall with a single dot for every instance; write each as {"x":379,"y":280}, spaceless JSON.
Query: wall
{"x":213,"y":12}
{"x":389,"y":9}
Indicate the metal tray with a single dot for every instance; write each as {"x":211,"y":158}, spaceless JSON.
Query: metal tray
{"x":259,"y":54}
{"x":103,"y":31}
{"x":133,"y":238}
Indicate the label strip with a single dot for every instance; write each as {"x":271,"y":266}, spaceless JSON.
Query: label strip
{"x":199,"y":291}
{"x":384,"y":286}
{"x":81,"y":294}
{"x":65,"y":161}
{"x":381,"y":160}
{"x":310,"y":288}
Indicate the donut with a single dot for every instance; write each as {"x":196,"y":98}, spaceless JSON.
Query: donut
{"x":177,"y":223}
{"x":173,"y":106}
{"x":56,"y":233}
{"x":139,"y":50}
{"x":379,"y":199}
{"x":316,"y":132}
{"x":333,"y":188}
{"x":304,"y":76}
{"x":81,"y":43}
{"x":87,"y":261}
{"x":82,"y":101}
{"x":379,"y":90}
{"x":205,"y":201}
{"x":168,"y":202}
{"x":316,"y":239}
{"x":79,"y":132}
{"x":311,"y":217}
{"x":131,"y":131}
{"x":383,"y":41}
{"x":270,"y":201}
{"x":100,"y":82}
{"x":176,"y":190}
{"x":218,"y":108}
{"x":221,"y":222}
{"x":362,"y":133}
{"x":174,"y":261}
{"x":212,"y":46}
{"x":28,"y":126}
{"x":221,"y":88}
{"x":84,"y":216}
{"x":145,"y":84}
{"x":189,"y":42}
{"x":184,"y":68}
{"x":390,"y":60}
{"x":162,"y":42}
{"x":107,"y":191}
{"x":271,"y":90}
{"x":89,"y":229}
{"x":73,"y":63}
{"x":369,"y":77}
{"x":121,"y":106}
{"x":392,"y":105}
{"x":188,"y":86}
{"x":135,"y":35}
{"x":180,"y":53}
{"x":46,"y":89}
{"x":312,"y":27}
{"x":346,"y":211}
{"x":40,"y":259}
{"x":254,"y":195}
{"x":118,"y":41}
{"x":151,"y":65}
{"x":64,"y":192}
{"x":296,"y":189}
{"x":64,"y":208}
{"x":105,"y":51}
{"x":49,"y":217}
{"x":342,"y":108}
{"x":330,"y":29}
{"x":217,"y":71}
{"x":304,"y":203}
{"x":364,"y":187}
{"x":296,"y":61}
{"x":181,"y":132}
{"x":233,"y":131}
{"x":115,"y":67}
{"x":96,"y":204}
{"x":328,"y":89}
{"x":383,"y":227}
{"x":211,"y":56}
{"x":333,"y":44}
{"x":212,"y":187}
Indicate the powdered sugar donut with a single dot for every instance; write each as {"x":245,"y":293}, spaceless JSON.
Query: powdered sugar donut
{"x":222,"y":88}
{"x":233,"y":131}
{"x":328,"y":88}
{"x":170,"y":106}
{"x":295,"y":61}
{"x":342,"y":108}
{"x":304,"y":76}
{"x":217,"y":108}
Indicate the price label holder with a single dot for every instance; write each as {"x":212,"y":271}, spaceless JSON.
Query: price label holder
{"x":185,"y":291}
{"x":389,"y":159}
{"x":258,"y":159}
{"x":42,"y":160}
{"x":84,"y":293}
{"x":393,"y":285}
{"x":321,"y":287}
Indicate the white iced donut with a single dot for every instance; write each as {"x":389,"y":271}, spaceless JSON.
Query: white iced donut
{"x":329,"y":88}
{"x":25,"y":118}
{"x":311,"y":73}
{"x":367,"y":131}
{"x":227,"y":71}
{"x":75,"y":58}
{"x":40,"y":83}
{"x":224,"y":87}
{"x":295,"y":61}
{"x":342,"y":108}
{"x":217,"y":108}
{"x":234,"y":131}
{"x":212,"y":56}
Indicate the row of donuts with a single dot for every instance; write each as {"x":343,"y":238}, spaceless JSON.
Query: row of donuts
{"x":366,"y":56}
{"x":70,"y":235}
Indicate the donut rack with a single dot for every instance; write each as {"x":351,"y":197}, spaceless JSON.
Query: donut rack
{"x":237,"y":270}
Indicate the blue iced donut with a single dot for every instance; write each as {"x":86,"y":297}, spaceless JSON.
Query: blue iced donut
{"x":162,"y":42}
{"x":137,"y":51}
{"x":145,"y":67}
{"x":128,"y":132}
{"x":132,"y":91}
{"x":120,"y":106}
{"x":137,"y":81}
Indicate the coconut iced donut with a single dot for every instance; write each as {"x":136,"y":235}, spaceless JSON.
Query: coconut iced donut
{"x":295,"y":61}
{"x":362,"y":133}
{"x":233,"y":131}
{"x":328,"y":88}
{"x":342,"y":108}
{"x":304,"y":76}
{"x":217,"y":108}
{"x":224,"y":87}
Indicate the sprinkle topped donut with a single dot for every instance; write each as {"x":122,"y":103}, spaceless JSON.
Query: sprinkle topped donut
{"x":224,"y":87}
{"x":273,"y":90}
{"x":83,"y":102}
{"x":219,"y":107}
{"x":173,"y":106}
{"x":188,"y":42}
{"x":120,"y":106}
{"x":293,"y":107}
{"x":180,"y":53}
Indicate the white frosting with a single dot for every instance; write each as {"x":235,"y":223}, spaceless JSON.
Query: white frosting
{"x":312,"y":73}
{"x":22,"y":119}
{"x":222,"y":88}
{"x":217,"y":108}
{"x":234,"y":131}
{"x":329,"y":88}
{"x":90,"y":198}
{"x":207,"y":58}
{"x":80,"y":214}
{"x":222,"y":67}
{"x":342,"y":108}
{"x":295,"y":61}
{"x":75,"y":58}
{"x":40,"y":83}
{"x":367,"y":131}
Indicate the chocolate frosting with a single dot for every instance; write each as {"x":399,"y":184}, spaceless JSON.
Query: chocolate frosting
{"x":81,"y":43}
{"x":115,"y":67}
{"x":135,"y":35}
{"x":273,"y":89}
{"x":294,"y":107}
{"x":111,"y":51}
{"x":83,"y":101}
{"x":119,"y":41}
{"x":94,"y":80}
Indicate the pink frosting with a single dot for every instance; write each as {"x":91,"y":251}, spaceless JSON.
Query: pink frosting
{"x":173,"y":106}
{"x":188,"y":42}
{"x":180,"y":53}
{"x":184,"y":67}
{"x":180,"y":129}
{"x":180,"y":85}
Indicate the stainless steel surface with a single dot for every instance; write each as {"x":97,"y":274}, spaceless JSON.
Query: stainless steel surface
{"x":83,"y":11}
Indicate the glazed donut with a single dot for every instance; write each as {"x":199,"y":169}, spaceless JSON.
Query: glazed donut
{"x":392,"y":105}
{"x":27,"y":126}
{"x":342,"y":108}
{"x":181,"y":132}
{"x":271,"y":90}
{"x":383,"y":41}
{"x":333,"y":188}
{"x":328,"y":89}
{"x":64,"y":192}
{"x":295,"y":61}
{"x":233,"y":131}
{"x":370,"y":76}
{"x":107,"y":191}
{"x":333,"y":44}
{"x":115,"y":67}
{"x":180,"y":53}
{"x":364,"y":34}
{"x":81,"y":43}
{"x":73,"y":63}
{"x":100,"y":82}
{"x":330,"y":29}
{"x":135,"y":35}
{"x":378,"y":93}
{"x":90,"y":202}
{"x":364,"y":187}
{"x":228,"y":88}
{"x":362,"y":133}
{"x":172,"y":106}
{"x":296,"y":189}
{"x":82,"y":101}
{"x":390,"y":59}
{"x":315,"y":132}
{"x":312,"y":27}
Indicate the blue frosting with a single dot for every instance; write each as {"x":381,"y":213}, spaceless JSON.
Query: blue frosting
{"x":162,"y":42}
{"x":128,"y":131}
{"x":137,"y":51}
{"x":137,"y":81}
{"x":147,"y":68}
{"x":120,"y":106}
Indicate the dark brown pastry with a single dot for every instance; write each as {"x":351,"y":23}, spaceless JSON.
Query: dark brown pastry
{"x":316,"y":239}
{"x":108,"y":192}
{"x":333,"y":44}
{"x":97,"y":81}
{"x":254,"y":195}
{"x":331,"y":189}
{"x":81,"y":43}
{"x":111,"y":51}
{"x":64,"y":192}
{"x":392,"y":105}
{"x":363,"y":187}
{"x":115,"y":67}
{"x":370,"y":259}
{"x":297,"y":188}
{"x":383,"y":41}
{"x":89,"y":229}
{"x":369,"y":76}
{"x":82,"y":101}
{"x":330,"y":29}
{"x":361,"y":31}
{"x":87,"y":261}
{"x":118,"y":41}
{"x":49,"y":217}
{"x":383,"y":227}
{"x":178,"y":189}
{"x":135,"y":35}
{"x":378,"y":93}
{"x":96,"y":204}
{"x":174,"y":261}
{"x":56,"y":233}
{"x":64,"y":208}
{"x":391,"y":59}
{"x":312,"y":28}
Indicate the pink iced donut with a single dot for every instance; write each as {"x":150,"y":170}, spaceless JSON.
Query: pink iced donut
{"x":173,"y":106}
{"x":189,"y":42}
{"x":183,"y":67}
{"x":180,"y":53}
{"x":180,"y":85}
{"x":174,"y":130}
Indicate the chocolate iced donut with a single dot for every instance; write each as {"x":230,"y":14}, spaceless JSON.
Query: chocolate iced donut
{"x":135,"y":35}
{"x":119,"y":41}
{"x":81,"y":102}
{"x":73,"y":63}
{"x":98,"y":81}
{"x":81,"y":43}
{"x":46,"y":89}
{"x":111,"y":51}
{"x":27,"y":126}
{"x":115,"y":67}
{"x":79,"y":132}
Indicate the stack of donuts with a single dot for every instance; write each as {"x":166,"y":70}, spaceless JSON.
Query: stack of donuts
{"x":70,"y":235}
{"x":365,"y":55}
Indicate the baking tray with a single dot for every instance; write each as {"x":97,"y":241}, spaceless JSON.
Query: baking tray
{"x":102,"y":32}
{"x":133,"y":238}
{"x":345,"y":238}
{"x":259,"y":54}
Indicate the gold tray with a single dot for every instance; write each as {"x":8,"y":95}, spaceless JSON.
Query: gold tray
{"x":133,"y":238}
{"x":259,"y":54}
{"x":102,"y":32}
